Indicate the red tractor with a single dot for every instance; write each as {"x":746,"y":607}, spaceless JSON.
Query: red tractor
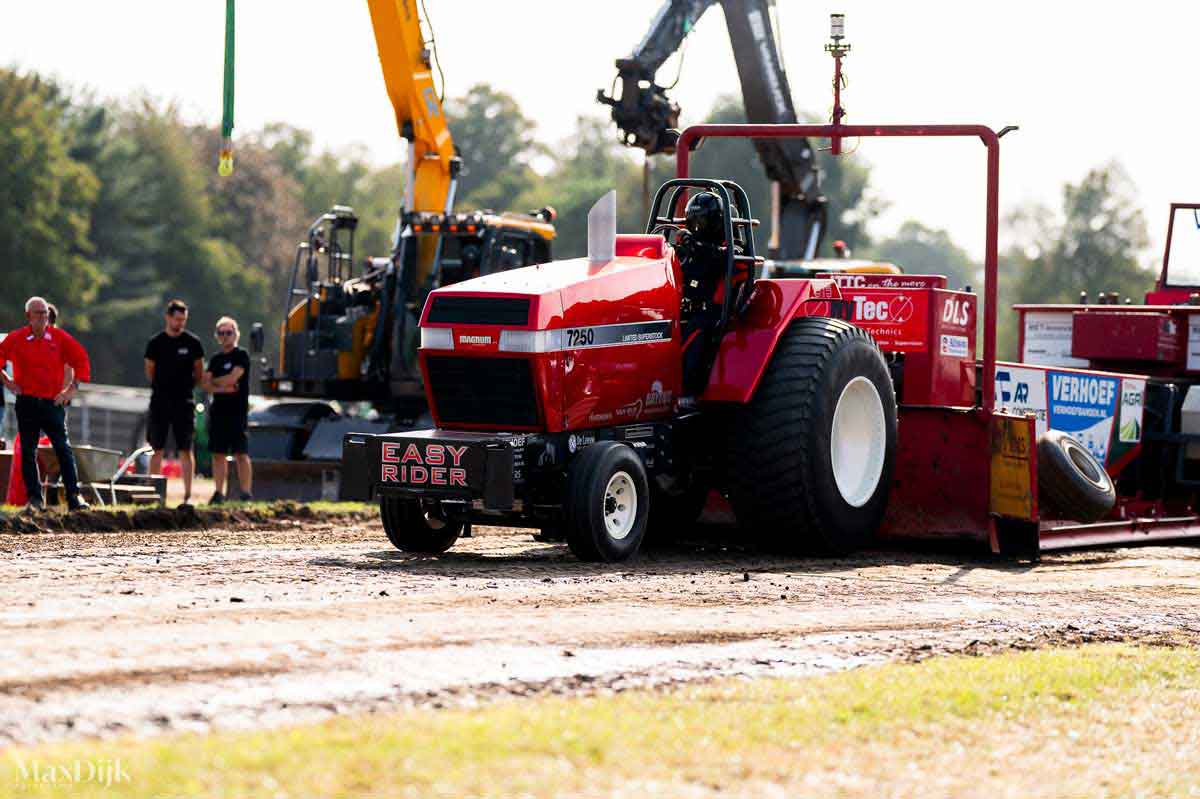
{"x":603,"y":398}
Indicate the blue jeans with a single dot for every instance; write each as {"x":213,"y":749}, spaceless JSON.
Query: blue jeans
{"x":34,"y":417}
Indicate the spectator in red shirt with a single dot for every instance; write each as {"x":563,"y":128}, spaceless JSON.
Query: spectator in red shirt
{"x":40,"y":355}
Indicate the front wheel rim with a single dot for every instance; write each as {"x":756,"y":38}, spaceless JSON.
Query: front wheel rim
{"x":620,"y":506}
{"x":858,"y":441}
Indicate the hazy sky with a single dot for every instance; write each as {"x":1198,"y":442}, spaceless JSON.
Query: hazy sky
{"x":1085,"y":83}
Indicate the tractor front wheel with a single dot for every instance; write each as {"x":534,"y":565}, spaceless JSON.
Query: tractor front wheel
{"x":411,"y":528}
{"x":607,"y":503}
{"x":811,"y":455}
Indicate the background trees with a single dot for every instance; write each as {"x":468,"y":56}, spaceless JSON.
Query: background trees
{"x":1095,"y":241}
{"x":844,"y":181}
{"x":496,"y":142}
{"x":46,"y":199}
{"x":110,"y":208}
{"x":156,"y":234}
{"x":918,"y":248}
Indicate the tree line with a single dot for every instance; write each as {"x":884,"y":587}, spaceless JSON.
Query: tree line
{"x":109,"y":208}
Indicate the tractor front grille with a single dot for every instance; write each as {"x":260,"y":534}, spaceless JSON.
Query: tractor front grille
{"x":507,"y":311}
{"x":491,"y":391}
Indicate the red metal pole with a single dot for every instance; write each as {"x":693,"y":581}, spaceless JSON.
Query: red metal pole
{"x":1162,"y":275}
{"x":990,"y":140}
{"x":835,"y":143}
{"x":991,"y":270}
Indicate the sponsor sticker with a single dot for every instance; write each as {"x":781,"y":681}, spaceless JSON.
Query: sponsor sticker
{"x":954,"y":346}
{"x":1133,"y":403}
{"x":1048,"y":336}
{"x":437,"y":465}
{"x":1011,"y":481}
{"x":898,"y":320}
{"x":1087,"y":407}
{"x":1084,"y":406}
{"x":1022,"y":391}
{"x":871,"y":280}
{"x":957,"y":311}
{"x":657,"y":399}
{"x":614,"y":335}
{"x":1193,"y":349}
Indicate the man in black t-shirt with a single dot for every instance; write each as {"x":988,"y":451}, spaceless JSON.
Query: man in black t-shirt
{"x":174,"y":366}
{"x":228,"y":380}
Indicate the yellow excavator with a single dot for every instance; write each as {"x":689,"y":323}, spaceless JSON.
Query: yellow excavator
{"x":350,"y":328}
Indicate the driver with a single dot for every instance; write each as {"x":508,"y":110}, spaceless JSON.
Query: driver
{"x":702,"y":251}
{"x":701,"y":246}
{"x":472,"y":259}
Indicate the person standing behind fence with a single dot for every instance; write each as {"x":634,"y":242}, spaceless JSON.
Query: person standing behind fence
{"x":40,"y":354}
{"x":228,"y":380}
{"x":174,"y":365}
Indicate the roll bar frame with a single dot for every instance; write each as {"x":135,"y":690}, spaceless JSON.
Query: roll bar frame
{"x":691,"y":137}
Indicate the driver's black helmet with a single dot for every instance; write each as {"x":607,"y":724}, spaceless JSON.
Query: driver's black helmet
{"x":471,"y":255}
{"x":706,"y":218}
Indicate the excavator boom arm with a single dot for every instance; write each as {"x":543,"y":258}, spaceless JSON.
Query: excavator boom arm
{"x":645,"y":113}
{"x":407,"y":74}
{"x":670,"y":26}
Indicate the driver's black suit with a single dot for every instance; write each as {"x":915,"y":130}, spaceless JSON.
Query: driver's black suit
{"x":703,"y":267}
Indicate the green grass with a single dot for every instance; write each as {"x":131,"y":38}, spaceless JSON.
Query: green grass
{"x":319,"y":507}
{"x":323,"y":506}
{"x":1086,"y":722}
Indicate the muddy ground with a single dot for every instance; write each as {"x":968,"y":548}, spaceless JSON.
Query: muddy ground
{"x":145,"y":632}
{"x":177,"y":517}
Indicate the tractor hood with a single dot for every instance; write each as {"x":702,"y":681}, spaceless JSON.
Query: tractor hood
{"x":627,"y":288}
{"x":544,"y":278}
{"x":564,"y":345}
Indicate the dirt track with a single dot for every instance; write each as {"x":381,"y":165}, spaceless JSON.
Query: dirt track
{"x":144,"y":632}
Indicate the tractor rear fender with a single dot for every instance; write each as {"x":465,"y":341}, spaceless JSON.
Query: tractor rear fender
{"x":750,"y":340}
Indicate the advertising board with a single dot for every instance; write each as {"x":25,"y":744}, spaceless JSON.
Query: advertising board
{"x":1101,"y":412}
{"x":898,"y":320}
{"x":1048,"y":336}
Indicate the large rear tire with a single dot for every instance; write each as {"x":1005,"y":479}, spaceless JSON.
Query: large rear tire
{"x":811,"y":455}
{"x":409,"y":530}
{"x":673,"y":515}
{"x":607,"y":503}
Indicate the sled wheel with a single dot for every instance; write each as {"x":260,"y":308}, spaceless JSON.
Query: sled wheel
{"x":1071,"y":482}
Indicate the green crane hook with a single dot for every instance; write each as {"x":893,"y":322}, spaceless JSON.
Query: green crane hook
{"x":225,"y":161}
